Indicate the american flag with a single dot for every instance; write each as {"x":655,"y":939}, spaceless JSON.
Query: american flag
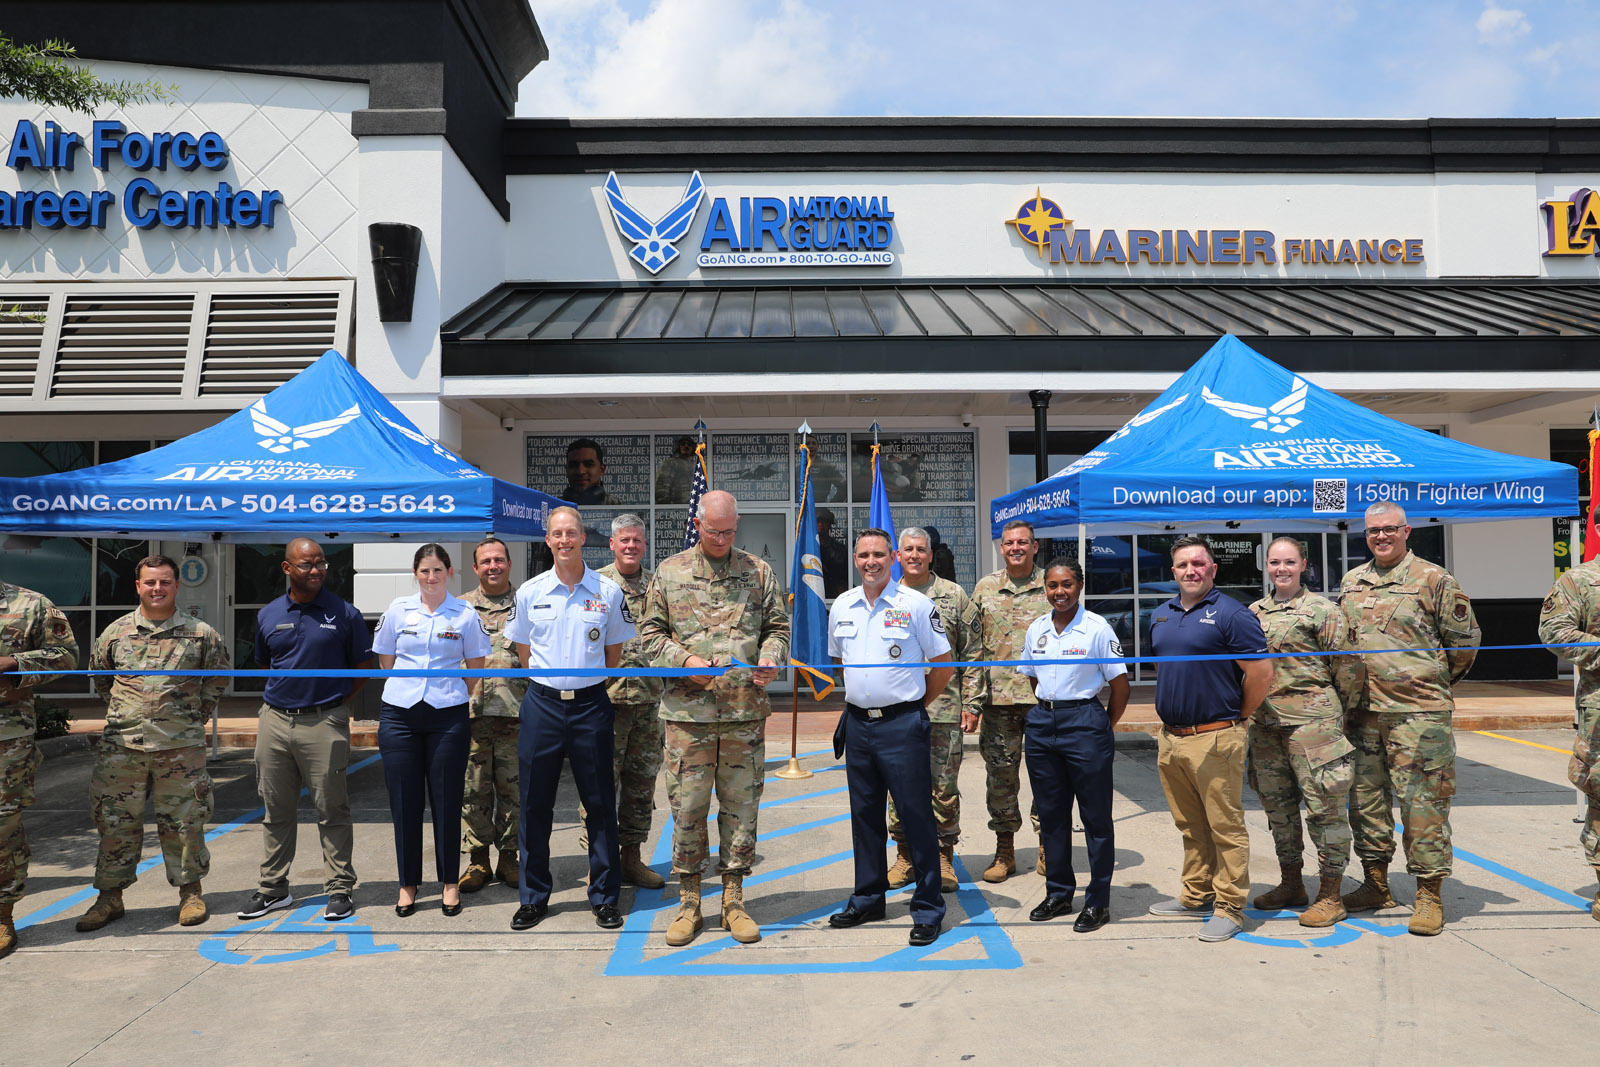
{"x":691,"y":532}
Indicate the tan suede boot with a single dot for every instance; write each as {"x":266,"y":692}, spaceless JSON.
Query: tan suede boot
{"x":902,"y":873}
{"x":635,"y":872}
{"x":1594,"y":909}
{"x":1038,"y":864}
{"x":191,"y":906}
{"x":477,"y":874}
{"x":8,"y":932}
{"x":947,"y":868}
{"x":1290,"y":892}
{"x":106,"y":908}
{"x":1327,"y":909}
{"x":735,"y":919}
{"x":507,"y":869}
{"x":1005,"y":859}
{"x":687,"y":923}
{"x":1373,"y":892}
{"x":1427,"y":918}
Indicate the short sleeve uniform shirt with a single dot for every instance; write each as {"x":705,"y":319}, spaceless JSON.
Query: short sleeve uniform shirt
{"x":437,"y":640}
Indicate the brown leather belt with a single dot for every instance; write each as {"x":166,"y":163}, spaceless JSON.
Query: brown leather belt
{"x":1203,"y":728}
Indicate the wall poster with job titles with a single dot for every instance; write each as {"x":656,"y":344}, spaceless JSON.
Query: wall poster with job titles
{"x":615,"y":474}
{"x":916,"y":466}
{"x":829,"y":458}
{"x":952,"y":526}
{"x":668,"y":539}
{"x":751,"y":466}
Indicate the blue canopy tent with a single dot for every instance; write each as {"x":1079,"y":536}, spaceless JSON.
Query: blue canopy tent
{"x":324,"y":455}
{"x":1239,"y":442}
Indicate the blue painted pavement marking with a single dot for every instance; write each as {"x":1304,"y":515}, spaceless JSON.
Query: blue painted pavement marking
{"x":303,"y":920}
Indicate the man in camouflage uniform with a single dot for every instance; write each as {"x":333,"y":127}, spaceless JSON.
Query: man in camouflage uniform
{"x":1007,"y":602}
{"x":952,"y":713}
{"x":495,"y":709}
{"x":34,"y":636}
{"x":1571,"y":615}
{"x":707,"y":606}
{"x":1401,"y":720}
{"x":636,"y":702}
{"x":1298,"y":749}
{"x":154,"y":745}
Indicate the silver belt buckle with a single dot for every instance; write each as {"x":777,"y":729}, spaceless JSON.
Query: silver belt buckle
{"x":874,"y":713}
{"x":569,"y":694}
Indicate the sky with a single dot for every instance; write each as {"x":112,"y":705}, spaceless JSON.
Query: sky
{"x":1215,"y":58}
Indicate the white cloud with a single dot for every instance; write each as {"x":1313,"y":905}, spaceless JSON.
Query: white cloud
{"x":1501,"y":25}
{"x":693,"y":58}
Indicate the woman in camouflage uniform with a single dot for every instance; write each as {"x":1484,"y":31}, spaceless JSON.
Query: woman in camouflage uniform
{"x":1298,"y":749}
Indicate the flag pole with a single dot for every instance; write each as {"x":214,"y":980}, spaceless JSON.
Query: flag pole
{"x":794,"y":771}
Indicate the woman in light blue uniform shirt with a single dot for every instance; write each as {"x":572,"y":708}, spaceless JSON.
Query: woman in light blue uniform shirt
{"x":423,"y":732}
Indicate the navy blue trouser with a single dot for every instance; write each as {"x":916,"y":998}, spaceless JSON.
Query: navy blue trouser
{"x":579,"y":730}
{"x":424,"y":752}
{"x":885,"y":758}
{"x":1069,"y":752}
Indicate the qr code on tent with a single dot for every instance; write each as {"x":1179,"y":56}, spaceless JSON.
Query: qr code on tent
{"x":1328,"y":494}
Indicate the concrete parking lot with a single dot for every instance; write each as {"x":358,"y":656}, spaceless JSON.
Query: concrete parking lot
{"x":1514,"y":978}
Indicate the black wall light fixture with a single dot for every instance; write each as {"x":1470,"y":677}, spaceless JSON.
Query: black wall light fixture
{"x":396,"y":250}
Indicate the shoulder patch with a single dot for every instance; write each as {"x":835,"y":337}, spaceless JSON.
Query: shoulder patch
{"x":1116,"y":648}
{"x":937,"y":620}
{"x":627,"y":616}
{"x":1550,"y":601}
{"x":1461,"y":610}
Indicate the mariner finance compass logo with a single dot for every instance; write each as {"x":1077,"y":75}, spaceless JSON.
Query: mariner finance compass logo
{"x":1036,"y":218}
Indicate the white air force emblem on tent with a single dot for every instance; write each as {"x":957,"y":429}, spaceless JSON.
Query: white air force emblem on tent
{"x":1275,"y":418}
{"x":1144,"y":417}
{"x":280,"y":438}
{"x":652,"y":241}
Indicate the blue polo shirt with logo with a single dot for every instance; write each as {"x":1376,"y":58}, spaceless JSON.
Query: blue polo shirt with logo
{"x":294,"y":637}
{"x":1189,"y":694}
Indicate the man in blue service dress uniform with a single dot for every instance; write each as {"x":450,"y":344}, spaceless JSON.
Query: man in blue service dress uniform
{"x":570,"y":618}
{"x":884,"y":731}
{"x":1068,"y":743}
{"x":1200,"y":752}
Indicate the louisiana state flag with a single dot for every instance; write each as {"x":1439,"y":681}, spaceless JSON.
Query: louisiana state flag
{"x":808,"y":608}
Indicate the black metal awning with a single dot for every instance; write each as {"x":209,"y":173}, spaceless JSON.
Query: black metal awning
{"x":975,"y":326}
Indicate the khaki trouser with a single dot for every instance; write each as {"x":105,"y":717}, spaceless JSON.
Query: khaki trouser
{"x":309,"y":751}
{"x":1203,"y":778}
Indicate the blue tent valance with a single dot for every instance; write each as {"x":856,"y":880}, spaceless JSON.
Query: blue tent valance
{"x":1239,"y":442}
{"x":324,"y":455}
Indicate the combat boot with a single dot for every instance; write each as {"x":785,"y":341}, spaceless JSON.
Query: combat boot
{"x":477,"y":874}
{"x":735,"y":919}
{"x":1373,"y":892}
{"x":947,"y":868}
{"x":634,"y":871}
{"x":8,"y":932}
{"x":506,"y":868}
{"x":1005,"y":859}
{"x":1327,"y":909}
{"x":1290,"y":892}
{"x":1038,"y":864}
{"x":106,"y":908}
{"x":191,"y":906}
{"x":687,"y":923}
{"x":1594,"y":909}
{"x":1427,"y":918}
{"x":902,"y":873}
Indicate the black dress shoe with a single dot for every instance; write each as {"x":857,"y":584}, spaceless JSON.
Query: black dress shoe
{"x":607,"y":916}
{"x":1050,"y":907}
{"x":529,"y":915}
{"x":404,"y":910}
{"x":1091,"y":919}
{"x":450,"y":909}
{"x":853,"y":916}
{"x":923,"y":934}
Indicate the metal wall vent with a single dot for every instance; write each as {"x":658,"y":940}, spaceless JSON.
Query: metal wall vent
{"x":21,"y":340}
{"x":128,"y":344}
{"x":255,"y":342}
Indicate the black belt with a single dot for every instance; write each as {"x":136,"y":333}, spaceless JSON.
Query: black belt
{"x":1053,"y":705}
{"x":887,"y":712}
{"x":588,"y":692}
{"x":314,"y":709}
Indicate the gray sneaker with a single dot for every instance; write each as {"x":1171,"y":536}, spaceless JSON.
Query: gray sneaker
{"x":1218,"y":928}
{"x":1178,"y":907}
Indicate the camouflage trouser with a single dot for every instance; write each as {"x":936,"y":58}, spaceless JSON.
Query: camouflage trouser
{"x":179,"y":788}
{"x":635,"y":762}
{"x":732,"y":756}
{"x":1313,"y":762}
{"x":1000,"y":743}
{"x":1583,"y":771}
{"x":945,"y":760}
{"x":1409,"y":758}
{"x":19,"y":759}
{"x":492,"y":776}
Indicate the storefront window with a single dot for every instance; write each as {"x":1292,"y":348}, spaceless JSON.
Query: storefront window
{"x":258,"y":578}
{"x":1566,"y":533}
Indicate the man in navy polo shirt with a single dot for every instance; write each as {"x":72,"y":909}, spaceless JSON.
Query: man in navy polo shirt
{"x":1204,"y":705}
{"x":303,"y":737}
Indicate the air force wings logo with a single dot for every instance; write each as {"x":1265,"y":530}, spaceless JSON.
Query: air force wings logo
{"x":279,"y":437}
{"x":652,"y":241}
{"x":1144,"y":417}
{"x":1276,"y":418}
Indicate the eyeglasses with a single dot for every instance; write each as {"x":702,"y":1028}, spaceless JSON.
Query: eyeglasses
{"x":717,"y":535}
{"x":1383,"y":531}
{"x":314,"y":565}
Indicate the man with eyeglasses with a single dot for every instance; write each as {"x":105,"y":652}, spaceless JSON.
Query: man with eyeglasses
{"x":303,"y":737}
{"x":707,"y":607}
{"x":1401,"y":720}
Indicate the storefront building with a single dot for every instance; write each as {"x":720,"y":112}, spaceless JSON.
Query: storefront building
{"x":611,"y":283}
